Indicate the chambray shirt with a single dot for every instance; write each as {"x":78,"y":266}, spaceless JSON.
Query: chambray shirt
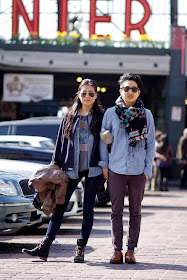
{"x":93,"y":171}
{"x":124,"y":159}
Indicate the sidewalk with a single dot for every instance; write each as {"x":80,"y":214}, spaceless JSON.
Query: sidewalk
{"x":161,"y":252}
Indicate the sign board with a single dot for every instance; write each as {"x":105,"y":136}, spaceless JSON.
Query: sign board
{"x":26,"y":87}
{"x":118,"y":19}
{"x":176,"y":113}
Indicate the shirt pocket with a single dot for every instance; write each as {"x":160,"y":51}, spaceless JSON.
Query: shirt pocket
{"x":118,"y":131}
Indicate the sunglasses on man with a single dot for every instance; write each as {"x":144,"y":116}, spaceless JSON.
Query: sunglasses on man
{"x":91,"y":94}
{"x":134,"y":89}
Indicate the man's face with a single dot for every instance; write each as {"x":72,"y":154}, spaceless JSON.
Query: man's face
{"x":129,"y":91}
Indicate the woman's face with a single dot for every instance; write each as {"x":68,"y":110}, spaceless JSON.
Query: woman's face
{"x":87,"y":95}
{"x":129,"y":91}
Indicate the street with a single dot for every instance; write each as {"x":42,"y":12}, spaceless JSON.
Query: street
{"x":161,"y":252}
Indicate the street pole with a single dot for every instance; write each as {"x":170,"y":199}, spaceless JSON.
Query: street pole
{"x":174,"y":12}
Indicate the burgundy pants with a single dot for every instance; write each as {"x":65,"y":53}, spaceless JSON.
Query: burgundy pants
{"x":117,"y":184}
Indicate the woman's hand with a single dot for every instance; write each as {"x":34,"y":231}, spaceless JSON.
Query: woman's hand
{"x":105,"y":173}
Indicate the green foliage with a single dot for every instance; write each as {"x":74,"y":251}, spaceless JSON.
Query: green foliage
{"x":73,"y":39}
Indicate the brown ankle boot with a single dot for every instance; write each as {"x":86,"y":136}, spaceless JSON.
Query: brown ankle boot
{"x":79,"y":251}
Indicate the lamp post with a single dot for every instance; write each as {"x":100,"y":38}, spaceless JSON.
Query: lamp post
{"x":174,"y":12}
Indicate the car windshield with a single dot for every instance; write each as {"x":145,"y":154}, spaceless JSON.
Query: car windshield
{"x":49,"y":131}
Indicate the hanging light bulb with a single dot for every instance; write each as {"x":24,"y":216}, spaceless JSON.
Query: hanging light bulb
{"x":103,"y":89}
{"x":79,"y":79}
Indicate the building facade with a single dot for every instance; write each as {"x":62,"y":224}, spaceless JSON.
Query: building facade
{"x":67,"y":63}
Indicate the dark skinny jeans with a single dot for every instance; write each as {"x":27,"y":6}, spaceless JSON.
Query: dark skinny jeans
{"x":90,"y":190}
{"x":117,"y":184}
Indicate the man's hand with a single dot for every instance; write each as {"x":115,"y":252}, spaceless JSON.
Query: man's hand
{"x":105,"y":173}
{"x":146,"y":176}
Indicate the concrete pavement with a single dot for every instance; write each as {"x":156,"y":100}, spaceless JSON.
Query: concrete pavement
{"x":161,"y":252}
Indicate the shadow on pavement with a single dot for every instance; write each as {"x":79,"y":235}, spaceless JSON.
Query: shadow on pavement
{"x":161,"y":207}
{"x":140,"y":266}
{"x":67,"y":251}
{"x":57,"y":250}
{"x":41,"y":231}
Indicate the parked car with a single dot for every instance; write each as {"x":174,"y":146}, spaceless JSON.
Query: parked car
{"x":44,"y":157}
{"x":36,"y":126}
{"x":42,"y":126}
{"x":26,"y":168}
{"x":30,"y":141}
{"x":25,"y":153}
{"x":16,"y":209}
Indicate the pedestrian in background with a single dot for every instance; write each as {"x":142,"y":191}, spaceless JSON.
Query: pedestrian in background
{"x":154,"y":178}
{"x":77,"y":153}
{"x":182,"y":156}
{"x":164,"y":153}
{"x":129,"y":163}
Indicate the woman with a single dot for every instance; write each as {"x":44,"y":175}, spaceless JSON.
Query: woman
{"x":77,"y":153}
{"x":129,"y":163}
{"x":164,"y":154}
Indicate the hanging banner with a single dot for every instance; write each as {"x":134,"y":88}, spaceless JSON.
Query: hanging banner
{"x":184,"y":56}
{"x":26,"y":87}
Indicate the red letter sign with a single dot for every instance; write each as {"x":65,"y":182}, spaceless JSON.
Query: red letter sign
{"x":140,"y":25}
{"x":62,"y":15}
{"x":94,"y":18}
{"x":32,"y":25}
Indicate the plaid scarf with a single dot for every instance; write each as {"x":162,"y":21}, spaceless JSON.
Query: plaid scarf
{"x":133,"y":119}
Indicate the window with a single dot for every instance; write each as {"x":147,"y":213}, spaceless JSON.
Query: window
{"x":46,"y":130}
{"x":4,"y":130}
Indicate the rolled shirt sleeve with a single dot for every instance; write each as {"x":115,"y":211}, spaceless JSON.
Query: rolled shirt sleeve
{"x":103,"y":146}
{"x":150,"y":151}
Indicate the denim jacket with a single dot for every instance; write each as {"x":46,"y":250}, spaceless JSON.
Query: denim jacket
{"x":124,"y":159}
{"x":66,"y":153}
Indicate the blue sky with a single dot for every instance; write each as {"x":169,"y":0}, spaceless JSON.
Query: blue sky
{"x":157,"y":28}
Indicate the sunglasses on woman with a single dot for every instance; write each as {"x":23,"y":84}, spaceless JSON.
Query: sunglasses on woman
{"x":134,"y":89}
{"x":91,"y":94}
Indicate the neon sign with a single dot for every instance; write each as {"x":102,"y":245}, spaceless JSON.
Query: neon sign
{"x":33,"y":25}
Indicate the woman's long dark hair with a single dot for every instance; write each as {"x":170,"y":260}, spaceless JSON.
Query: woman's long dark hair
{"x":73,"y":110}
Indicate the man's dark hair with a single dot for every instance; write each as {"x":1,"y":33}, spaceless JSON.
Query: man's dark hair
{"x":133,"y":77}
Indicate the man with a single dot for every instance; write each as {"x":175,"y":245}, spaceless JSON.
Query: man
{"x":182,"y":156}
{"x":129,"y":163}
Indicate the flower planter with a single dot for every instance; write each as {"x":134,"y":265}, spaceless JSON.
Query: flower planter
{"x":39,"y":47}
{"x":124,"y":50}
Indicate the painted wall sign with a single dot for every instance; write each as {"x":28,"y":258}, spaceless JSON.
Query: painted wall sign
{"x":27,"y":87}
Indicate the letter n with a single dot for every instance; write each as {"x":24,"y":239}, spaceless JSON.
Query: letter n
{"x":32,"y":25}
